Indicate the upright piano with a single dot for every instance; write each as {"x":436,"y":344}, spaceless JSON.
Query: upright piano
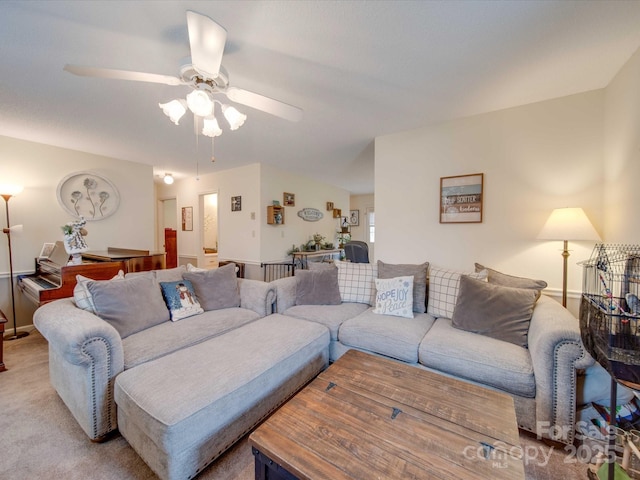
{"x":54,"y":279}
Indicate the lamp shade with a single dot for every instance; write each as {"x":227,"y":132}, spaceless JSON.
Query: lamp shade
{"x":10,"y":189}
{"x":568,"y":224}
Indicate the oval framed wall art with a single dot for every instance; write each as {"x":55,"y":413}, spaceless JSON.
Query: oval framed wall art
{"x":88,"y":195}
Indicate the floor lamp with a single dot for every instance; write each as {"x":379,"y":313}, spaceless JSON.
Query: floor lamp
{"x":567,"y":224}
{"x":6,"y":192}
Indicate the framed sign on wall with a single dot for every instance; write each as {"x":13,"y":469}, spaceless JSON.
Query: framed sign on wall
{"x":461,"y":198}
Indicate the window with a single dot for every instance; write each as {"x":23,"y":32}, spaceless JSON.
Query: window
{"x":371,"y":225}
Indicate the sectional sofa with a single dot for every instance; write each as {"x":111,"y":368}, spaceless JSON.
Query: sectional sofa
{"x":183,"y":363}
{"x":496,"y":330}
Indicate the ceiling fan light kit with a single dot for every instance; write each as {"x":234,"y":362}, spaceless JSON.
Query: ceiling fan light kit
{"x":206,"y":77}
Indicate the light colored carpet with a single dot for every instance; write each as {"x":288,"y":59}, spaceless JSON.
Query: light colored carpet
{"x":39,"y":438}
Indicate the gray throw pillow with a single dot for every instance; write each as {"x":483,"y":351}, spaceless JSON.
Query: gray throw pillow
{"x":419,"y":272}
{"x":217,"y":288}
{"x":130,"y":305}
{"x":495,"y":311}
{"x":499,"y":278}
{"x":318,"y":287}
{"x":321,"y":266}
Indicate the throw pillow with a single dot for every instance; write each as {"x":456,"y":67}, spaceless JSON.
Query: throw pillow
{"x":181,"y":299}
{"x":499,"y":278}
{"x":356,"y":282}
{"x":192,"y":268}
{"x":394,"y":296}
{"x":170,"y":274}
{"x":82,"y":295}
{"x":419,"y":272}
{"x":130,"y":305}
{"x":321,"y":266}
{"x":217,"y":288}
{"x":495,"y":311}
{"x":317,"y":287}
{"x":443,"y":290}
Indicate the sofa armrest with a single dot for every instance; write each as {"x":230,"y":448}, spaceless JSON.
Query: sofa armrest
{"x":71,"y":331}
{"x":85,"y":355}
{"x":257,"y":295}
{"x":285,"y":293}
{"x":557,"y":353}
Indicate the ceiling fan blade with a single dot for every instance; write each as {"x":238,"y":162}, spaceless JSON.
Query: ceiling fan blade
{"x":266,"y":104}
{"x":207,"y":40}
{"x":122,"y":75}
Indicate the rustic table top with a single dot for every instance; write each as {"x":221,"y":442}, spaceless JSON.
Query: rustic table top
{"x":367,"y":417}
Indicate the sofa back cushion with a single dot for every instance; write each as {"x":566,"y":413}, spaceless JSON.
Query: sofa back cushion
{"x":499,"y":278}
{"x":318,"y":287}
{"x":216,"y":288}
{"x":129,"y":305}
{"x":419,"y":273}
{"x":493,"y":310}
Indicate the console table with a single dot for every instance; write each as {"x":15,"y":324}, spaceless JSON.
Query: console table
{"x":303,"y":257}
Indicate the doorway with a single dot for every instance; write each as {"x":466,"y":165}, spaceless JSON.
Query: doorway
{"x":209,"y":233}
{"x":168,"y":231}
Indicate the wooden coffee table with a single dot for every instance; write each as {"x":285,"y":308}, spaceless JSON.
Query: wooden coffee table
{"x":367,"y":417}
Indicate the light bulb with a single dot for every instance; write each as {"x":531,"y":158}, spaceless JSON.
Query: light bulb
{"x":211,"y":127}
{"x":233,"y":116}
{"x":168,"y":178}
{"x":199,"y":103}
{"x":174,"y":110}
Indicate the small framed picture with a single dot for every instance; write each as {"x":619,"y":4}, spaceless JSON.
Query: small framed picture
{"x":47,"y":248}
{"x":289,"y":199}
{"x":461,"y":198}
{"x":354,"y":218}
{"x":236,"y":204}
{"x":329,"y":206}
{"x":187,"y":219}
{"x":337,"y":213}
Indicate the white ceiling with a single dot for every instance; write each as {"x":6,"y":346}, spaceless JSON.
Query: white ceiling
{"x":358,"y":69}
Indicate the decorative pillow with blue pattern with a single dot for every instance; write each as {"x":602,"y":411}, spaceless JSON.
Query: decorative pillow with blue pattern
{"x":181,"y":299}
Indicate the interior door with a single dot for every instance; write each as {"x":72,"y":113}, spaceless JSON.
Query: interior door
{"x":171,"y":247}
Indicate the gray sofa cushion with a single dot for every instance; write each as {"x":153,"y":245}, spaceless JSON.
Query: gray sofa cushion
{"x":330,"y":316}
{"x":495,"y":311}
{"x":181,"y":411}
{"x":318,"y":287}
{"x":419,"y":272}
{"x":170,"y":337}
{"x":475,"y":357}
{"x":217,"y":288}
{"x":499,"y":278}
{"x":395,"y":337}
{"x":130,"y":305}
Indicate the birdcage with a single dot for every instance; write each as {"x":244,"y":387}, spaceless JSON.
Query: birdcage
{"x":610,"y":310}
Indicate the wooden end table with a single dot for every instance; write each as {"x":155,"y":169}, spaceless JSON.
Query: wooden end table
{"x":368,"y":417}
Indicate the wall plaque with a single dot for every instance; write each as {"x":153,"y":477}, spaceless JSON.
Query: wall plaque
{"x":310,"y":214}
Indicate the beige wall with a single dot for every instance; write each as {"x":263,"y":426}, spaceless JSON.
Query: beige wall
{"x":40,"y":168}
{"x":622,"y":155}
{"x":245,"y":236}
{"x":534,"y":158}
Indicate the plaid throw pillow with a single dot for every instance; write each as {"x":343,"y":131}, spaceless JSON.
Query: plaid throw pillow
{"x":444,"y":286}
{"x":82,"y":296}
{"x":356,"y":282}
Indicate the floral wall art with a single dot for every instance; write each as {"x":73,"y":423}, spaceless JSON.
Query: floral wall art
{"x":88,"y":195}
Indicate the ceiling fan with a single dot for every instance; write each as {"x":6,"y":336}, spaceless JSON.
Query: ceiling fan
{"x":207,"y":78}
